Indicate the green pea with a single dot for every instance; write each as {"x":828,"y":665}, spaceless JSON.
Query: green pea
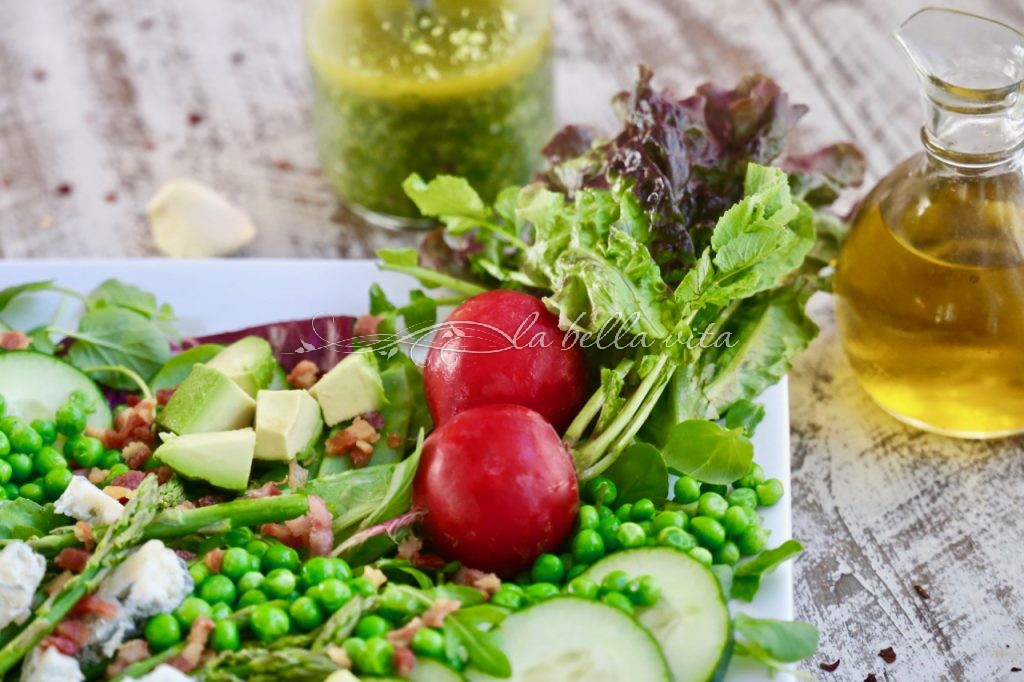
{"x":5,"y":445}
{"x":70,"y":419}
{"x":429,"y":642}
{"x":588,"y":517}
{"x":199,"y":572}
{"x":601,"y":490}
{"x":372,"y":626}
{"x":728,"y":554}
{"x":752,"y":541}
{"x":735,"y":521}
{"x":332,"y":594}
{"x":34,"y":491}
{"x":25,"y":439}
{"x":5,"y":471}
{"x":252,"y":598}
{"x":396,"y":604}
{"x":743,"y":497}
{"x":238,"y":537}
{"x":376,"y":658}
{"x":538,"y":592}
{"x":604,"y":512}
{"x":280,"y":556}
{"x":644,"y":591}
{"x":643,"y":510}
{"x":583,"y":587}
{"x":235,"y":563}
{"x":686,"y":489}
{"x":587,"y":546}
{"x":677,"y":538}
{"x":362,"y":586}
{"x":548,"y":568}
{"x":508,"y":598}
{"x":342,"y":571}
{"x":316,"y":570}
{"x":110,"y":459}
{"x":769,"y":492}
{"x":250,"y":580}
{"x":46,"y":429}
{"x":616,"y":581}
{"x":11,"y":491}
{"x":85,"y":450}
{"x":690,"y":509}
{"x":217,"y":588}
{"x":702,"y":555}
{"x":619,"y":601}
{"x":81,"y":399}
{"x":353,"y":646}
{"x":257,"y":548}
{"x":162,"y":632}
{"x":712,"y":505}
{"x":219,"y":612}
{"x":631,"y":535}
{"x":607,"y":530}
{"x":708,"y":531}
{"x":624,"y":512}
{"x":47,"y":459}
{"x":225,"y":636}
{"x":752,"y":478}
{"x":717,"y":488}
{"x":279,"y":583}
{"x":9,"y":423}
{"x":21,"y":467}
{"x":305,"y":613}
{"x":3,"y":493}
{"x":190,"y":609}
{"x":269,"y":622}
{"x":669,"y":519}
{"x":116,"y":471}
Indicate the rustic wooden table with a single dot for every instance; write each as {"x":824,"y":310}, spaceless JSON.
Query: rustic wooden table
{"x":100,"y":102}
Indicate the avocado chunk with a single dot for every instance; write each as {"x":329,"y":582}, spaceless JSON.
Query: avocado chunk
{"x":286,"y":423}
{"x":352,"y":388}
{"x":223,"y":459}
{"x":249,"y":362}
{"x":207,"y":400}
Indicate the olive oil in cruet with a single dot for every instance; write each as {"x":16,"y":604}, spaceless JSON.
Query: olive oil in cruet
{"x":930,"y":281}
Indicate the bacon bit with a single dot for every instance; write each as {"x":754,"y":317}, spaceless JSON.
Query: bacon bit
{"x":58,"y":583}
{"x":213,"y":559}
{"x":39,"y":75}
{"x":237,"y":58}
{"x":14,"y":340}
{"x":185,"y":504}
{"x":339,"y":657}
{"x":297,"y":474}
{"x":404,"y":661}
{"x":829,"y":667}
{"x":355,"y":440}
{"x":402,"y":637}
{"x":195,"y":118}
{"x":366,"y":326}
{"x":284,"y":165}
{"x":97,"y":475}
{"x":119,"y":493}
{"x":304,"y":374}
{"x":195,"y":644}
{"x":69,"y":637}
{"x":268,"y":489}
{"x":409,"y":548}
{"x":185,"y":555}
{"x":110,"y":197}
{"x":311,"y":530}
{"x":206,"y":501}
{"x":72,"y":559}
{"x":163,"y":474}
{"x":922,"y":592}
{"x":91,"y":604}
{"x":888,"y":655}
{"x":136,"y":455}
{"x":131,"y":425}
{"x":375,"y":419}
{"x":442,"y":606}
{"x":64,"y":189}
{"x":132,"y":400}
{"x":375,"y":576}
{"x":132,"y":651}
{"x":130,"y":480}
{"x":487,"y":583}
{"x":83,"y":533}
{"x":164,"y":395}
{"x":871,"y":678}
{"x":148,"y":144}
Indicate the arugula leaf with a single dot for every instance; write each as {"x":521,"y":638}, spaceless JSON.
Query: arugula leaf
{"x":708,"y":452}
{"x":744,"y":414}
{"x":177,"y":368}
{"x":748,"y":575}
{"x":776,"y":640}
{"x":110,"y":337}
{"x":397,"y":496}
{"x":407,"y":261}
{"x":445,"y":195}
{"x":638,"y":473}
{"x":464,"y":632}
{"x":22,"y":519}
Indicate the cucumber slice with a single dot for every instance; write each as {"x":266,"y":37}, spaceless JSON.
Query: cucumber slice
{"x":568,"y":638}
{"x":690,"y":621}
{"x":429,"y":670}
{"x":35,"y":385}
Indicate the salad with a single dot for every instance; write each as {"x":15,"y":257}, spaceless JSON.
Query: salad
{"x":565,"y":490}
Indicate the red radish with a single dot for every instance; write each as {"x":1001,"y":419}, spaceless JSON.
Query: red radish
{"x":498,"y":488}
{"x":505,"y":347}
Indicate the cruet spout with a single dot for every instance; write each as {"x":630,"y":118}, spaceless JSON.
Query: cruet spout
{"x":972,"y":77}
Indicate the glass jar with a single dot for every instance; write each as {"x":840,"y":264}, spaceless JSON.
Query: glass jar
{"x":456,"y":87}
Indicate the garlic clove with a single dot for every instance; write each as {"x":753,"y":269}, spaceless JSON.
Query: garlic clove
{"x":190,"y":220}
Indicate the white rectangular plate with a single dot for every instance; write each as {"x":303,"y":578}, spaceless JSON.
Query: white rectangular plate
{"x":221,"y":295}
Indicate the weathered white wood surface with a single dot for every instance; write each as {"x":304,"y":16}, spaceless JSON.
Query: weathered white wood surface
{"x":110,"y":98}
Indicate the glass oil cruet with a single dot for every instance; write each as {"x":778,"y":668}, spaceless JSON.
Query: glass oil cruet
{"x":930,"y":281}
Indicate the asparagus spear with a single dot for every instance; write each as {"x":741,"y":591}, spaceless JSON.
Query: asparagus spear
{"x":115,"y":544}
{"x":261,"y":665}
